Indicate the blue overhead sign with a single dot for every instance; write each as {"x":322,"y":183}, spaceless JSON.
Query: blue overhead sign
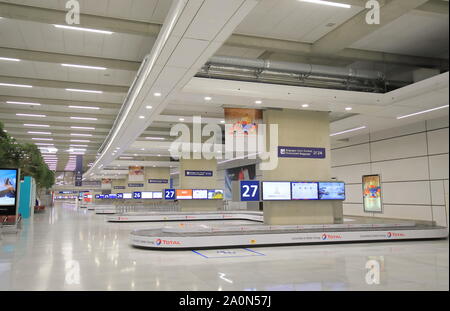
{"x":169,"y":194}
{"x":191,"y":173}
{"x":301,"y":152}
{"x":158,"y":181}
{"x":119,"y":187}
{"x":137,"y":195}
{"x":250,"y":190}
{"x":135,"y":185}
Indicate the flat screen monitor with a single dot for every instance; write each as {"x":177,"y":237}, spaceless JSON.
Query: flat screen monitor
{"x":8,"y":187}
{"x":157,"y":195}
{"x":198,"y":194}
{"x":113,"y":196}
{"x":128,"y":195}
{"x":184,"y":194}
{"x":276,"y":190}
{"x":215,"y":194}
{"x":147,"y":195}
{"x":305,"y":191}
{"x":331,"y":191}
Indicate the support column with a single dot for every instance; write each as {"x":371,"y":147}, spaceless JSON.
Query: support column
{"x":199,"y":182}
{"x":300,"y":129}
{"x":156,"y":178}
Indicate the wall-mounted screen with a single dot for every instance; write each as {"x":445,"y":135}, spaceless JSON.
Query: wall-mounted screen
{"x":305,"y":191}
{"x":276,"y":190}
{"x":128,"y":195}
{"x":113,"y":196}
{"x":198,"y":194}
{"x":215,"y":194}
{"x":8,"y":187}
{"x":147,"y":195}
{"x":157,"y":195}
{"x":372,"y":194}
{"x":184,"y":194}
{"x":331,"y":191}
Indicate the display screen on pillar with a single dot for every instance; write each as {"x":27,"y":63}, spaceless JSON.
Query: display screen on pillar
{"x":147,"y":195}
{"x":215,"y":194}
{"x":8,"y":191}
{"x":305,"y":191}
{"x":157,"y":195}
{"x":112,"y":196}
{"x":276,"y":190}
{"x":128,"y":195}
{"x":120,"y":196}
{"x":183,"y":194}
{"x":331,"y":191}
{"x":200,"y":194}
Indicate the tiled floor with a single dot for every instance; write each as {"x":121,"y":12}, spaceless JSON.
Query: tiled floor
{"x":72,"y":249}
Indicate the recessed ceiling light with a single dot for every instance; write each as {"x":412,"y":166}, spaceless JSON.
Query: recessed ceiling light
{"x":84,"y":29}
{"x":36,"y":125}
{"x":141,"y":117}
{"x":340,"y":5}
{"x":16,"y":85}
{"x":83,"y":66}
{"x":22,"y":103}
{"x":39,"y":133}
{"x":157,"y":94}
{"x":10,"y":59}
{"x":148,"y":107}
{"x":84,"y":91}
{"x":83,"y":128}
{"x":208,"y":98}
{"x":30,"y":115}
{"x":181,"y":119}
{"x":223,"y":121}
{"x":348,"y":108}
{"x":350,"y":130}
{"x":258,"y":102}
{"x":84,"y":118}
{"x":305,"y":105}
{"x":85,"y":107}
{"x":142,"y":149}
{"x":421,"y":112}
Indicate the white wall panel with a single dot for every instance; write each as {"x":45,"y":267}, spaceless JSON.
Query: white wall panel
{"x":351,"y":155}
{"x":406,"y":193}
{"x":437,"y":123}
{"x":399,"y":131}
{"x":439,"y":166}
{"x":356,"y":140}
{"x":353,"y":193}
{"x":437,"y":192}
{"x":351,"y":174}
{"x":440,"y":216}
{"x":400,"y":147}
{"x":438,"y":141}
{"x":402,"y":170}
{"x":407,"y":212}
{"x":354,"y":210}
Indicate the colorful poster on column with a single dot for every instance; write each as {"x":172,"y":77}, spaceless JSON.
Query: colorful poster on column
{"x":106,"y":183}
{"x":244,"y":121}
{"x":372,"y":194}
{"x":136,"y":173}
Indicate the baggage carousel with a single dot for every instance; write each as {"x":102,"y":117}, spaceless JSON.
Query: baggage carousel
{"x":264,"y":235}
{"x":186,"y":216}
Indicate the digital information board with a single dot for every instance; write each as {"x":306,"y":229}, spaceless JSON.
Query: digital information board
{"x":276,"y":190}
{"x":305,"y":191}
{"x":331,"y":191}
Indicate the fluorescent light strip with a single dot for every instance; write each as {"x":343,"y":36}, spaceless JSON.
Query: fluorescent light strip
{"x":79,"y":146}
{"x":340,"y":5}
{"x":79,"y":141}
{"x":22,"y":103}
{"x":155,"y":138}
{"x":82,"y":118}
{"x":84,"y":29}
{"x":421,"y":112}
{"x":82,"y":128}
{"x":49,"y":139}
{"x":30,"y":115}
{"x":44,"y":144}
{"x":84,"y":91}
{"x":83,"y":66}
{"x":348,"y":131}
{"x":16,"y":85}
{"x":40,"y":133}
{"x":83,"y":135}
{"x":84,"y":107}
{"x":36,"y":125}
{"x":10,"y":59}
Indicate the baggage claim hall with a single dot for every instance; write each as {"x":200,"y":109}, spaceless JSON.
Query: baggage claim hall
{"x":212,"y":145}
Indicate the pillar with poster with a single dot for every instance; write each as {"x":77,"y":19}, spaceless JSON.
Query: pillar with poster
{"x":372,"y":194}
{"x":9,"y":192}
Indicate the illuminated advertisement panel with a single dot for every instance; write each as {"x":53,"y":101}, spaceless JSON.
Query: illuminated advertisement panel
{"x":157,"y":195}
{"x":147,"y":195}
{"x":8,"y":191}
{"x":372,"y":194}
{"x":331,"y":191}
{"x":305,"y":191}
{"x":199,"y":194}
{"x":128,"y":195}
{"x":215,"y":194}
{"x":276,"y":190}
{"x":184,"y":194}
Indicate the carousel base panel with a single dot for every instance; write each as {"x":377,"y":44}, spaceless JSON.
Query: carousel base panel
{"x":186,"y":216}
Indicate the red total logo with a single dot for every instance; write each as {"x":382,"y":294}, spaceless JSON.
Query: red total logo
{"x":326,"y":236}
{"x":167,"y":242}
{"x":395,"y":235}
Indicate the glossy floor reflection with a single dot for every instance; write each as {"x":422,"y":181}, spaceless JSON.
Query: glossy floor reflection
{"x":74,"y":249}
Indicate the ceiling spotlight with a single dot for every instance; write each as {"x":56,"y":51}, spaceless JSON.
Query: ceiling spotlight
{"x":348,"y":108}
{"x":258,"y":102}
{"x":223,"y":121}
{"x":141,"y":117}
{"x":148,"y":107}
{"x":305,"y":106}
{"x":157,"y":94}
{"x":181,"y":119}
{"x":208,"y":98}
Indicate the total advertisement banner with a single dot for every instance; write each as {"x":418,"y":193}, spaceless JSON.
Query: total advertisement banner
{"x":301,"y":152}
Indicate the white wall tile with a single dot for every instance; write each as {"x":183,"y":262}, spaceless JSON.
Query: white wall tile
{"x":438,"y":141}
{"x":354,"y":210}
{"x":437,"y":123}
{"x":400,"y":147}
{"x":437,"y":192}
{"x":356,"y":140}
{"x":439,"y":166}
{"x":401,"y":170}
{"x":440,"y":216}
{"x":350,"y":155}
{"x":407,"y":212}
{"x":351,"y":174}
{"x":406,"y":193}
{"x":399,"y":131}
{"x":353,"y":193}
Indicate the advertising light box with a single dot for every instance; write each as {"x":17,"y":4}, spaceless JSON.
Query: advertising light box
{"x":372,"y":193}
{"x":184,"y":194}
{"x":216,"y":194}
{"x":198,"y":194}
{"x":128,"y":195}
{"x":305,"y":191}
{"x":147,"y":195}
{"x":157,"y":195}
{"x":331,"y":191}
{"x":8,"y":190}
{"x":276,"y":190}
